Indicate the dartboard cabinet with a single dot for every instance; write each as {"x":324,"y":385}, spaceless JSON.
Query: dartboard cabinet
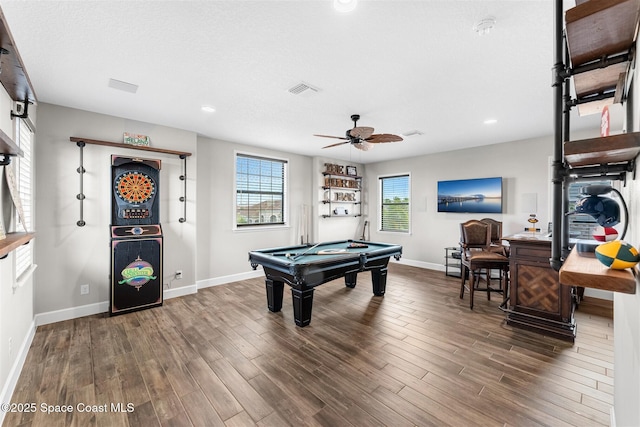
{"x":136,"y":235}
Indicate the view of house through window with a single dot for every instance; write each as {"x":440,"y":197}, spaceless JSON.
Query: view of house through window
{"x":394,"y":209}
{"x":260,"y":190}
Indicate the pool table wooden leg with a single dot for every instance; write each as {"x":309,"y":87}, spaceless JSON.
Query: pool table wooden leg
{"x":302,"y":304}
{"x":350,"y":279}
{"x":274,"y":294}
{"x":379,"y":280}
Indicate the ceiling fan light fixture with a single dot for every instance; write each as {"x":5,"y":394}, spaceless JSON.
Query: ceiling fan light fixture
{"x":345,"y":6}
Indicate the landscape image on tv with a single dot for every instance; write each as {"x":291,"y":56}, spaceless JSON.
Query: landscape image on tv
{"x":483,"y":195}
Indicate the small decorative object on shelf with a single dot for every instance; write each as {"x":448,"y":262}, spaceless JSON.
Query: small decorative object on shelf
{"x":617,"y":255}
{"x":340,"y":211}
{"x":135,"y":139}
{"x":352,"y":171}
{"x":533,"y":221}
{"x":3,"y":234}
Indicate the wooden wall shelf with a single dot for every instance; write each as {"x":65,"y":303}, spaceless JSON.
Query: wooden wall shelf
{"x":588,"y":272}
{"x":620,"y":148}
{"x":129,"y":146}
{"x":598,"y":31}
{"x":8,"y":147}
{"x":600,"y":28}
{"x":14,"y":77}
{"x":13,"y":241}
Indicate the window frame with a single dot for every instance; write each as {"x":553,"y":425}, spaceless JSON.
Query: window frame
{"x":285,"y":193}
{"x":381,"y":204}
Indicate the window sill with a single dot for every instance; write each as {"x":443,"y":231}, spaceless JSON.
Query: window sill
{"x":24,"y":277}
{"x":260,"y":227}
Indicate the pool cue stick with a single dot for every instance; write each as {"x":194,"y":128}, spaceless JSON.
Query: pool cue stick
{"x":307,"y":251}
{"x":364,"y":228}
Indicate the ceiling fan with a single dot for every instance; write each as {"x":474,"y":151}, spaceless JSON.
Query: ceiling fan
{"x":362,"y":137}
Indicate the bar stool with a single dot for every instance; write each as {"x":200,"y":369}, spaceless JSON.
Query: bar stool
{"x":475,"y":243}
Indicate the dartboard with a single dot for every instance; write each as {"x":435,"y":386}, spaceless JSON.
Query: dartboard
{"x":135,"y":187}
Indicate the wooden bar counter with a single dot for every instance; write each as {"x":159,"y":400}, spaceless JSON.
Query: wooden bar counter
{"x":537,"y":300}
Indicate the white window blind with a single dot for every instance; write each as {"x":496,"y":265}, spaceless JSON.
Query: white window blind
{"x":260,"y":191}
{"x":394,"y":209}
{"x":24,"y":253}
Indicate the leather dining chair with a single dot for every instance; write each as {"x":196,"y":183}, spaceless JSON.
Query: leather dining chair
{"x":496,"y":237}
{"x":476,"y":255}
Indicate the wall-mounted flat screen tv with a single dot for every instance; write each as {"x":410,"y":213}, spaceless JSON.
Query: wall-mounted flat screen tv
{"x":482,"y":195}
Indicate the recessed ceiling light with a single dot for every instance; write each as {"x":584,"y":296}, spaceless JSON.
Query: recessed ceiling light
{"x":345,"y":5}
{"x":490,"y":122}
{"x":208,"y":109}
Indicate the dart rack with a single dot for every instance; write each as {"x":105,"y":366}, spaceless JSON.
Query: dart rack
{"x":81,"y":143}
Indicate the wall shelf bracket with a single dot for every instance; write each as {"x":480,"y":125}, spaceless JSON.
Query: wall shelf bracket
{"x":81,"y":170}
{"x":183,"y":178}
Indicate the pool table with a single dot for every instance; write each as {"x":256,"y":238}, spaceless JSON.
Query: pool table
{"x":304,"y":267}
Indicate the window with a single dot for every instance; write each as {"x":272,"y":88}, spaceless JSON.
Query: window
{"x":581,"y":226}
{"x":260,"y":191}
{"x":394,"y":210}
{"x":24,"y":139}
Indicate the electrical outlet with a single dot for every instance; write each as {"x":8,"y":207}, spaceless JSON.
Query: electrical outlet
{"x":84,"y":289}
{"x":178,"y":274}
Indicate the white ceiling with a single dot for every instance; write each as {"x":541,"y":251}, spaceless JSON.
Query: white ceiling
{"x":401,"y":65}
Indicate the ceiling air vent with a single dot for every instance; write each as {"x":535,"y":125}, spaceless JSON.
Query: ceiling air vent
{"x":303,"y":88}
{"x":124,"y":86}
{"x":413,"y":132}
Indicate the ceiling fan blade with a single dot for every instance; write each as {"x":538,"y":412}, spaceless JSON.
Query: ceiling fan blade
{"x":383,"y":137}
{"x":361,"y":132}
{"x":336,"y":137}
{"x":335,"y":145}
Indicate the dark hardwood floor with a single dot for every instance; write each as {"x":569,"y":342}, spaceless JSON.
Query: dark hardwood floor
{"x":416,"y":357}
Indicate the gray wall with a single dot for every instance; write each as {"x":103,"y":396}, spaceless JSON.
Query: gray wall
{"x":221,"y":249}
{"x":69,"y":256}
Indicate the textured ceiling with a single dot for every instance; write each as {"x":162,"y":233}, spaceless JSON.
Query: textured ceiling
{"x":401,"y":65}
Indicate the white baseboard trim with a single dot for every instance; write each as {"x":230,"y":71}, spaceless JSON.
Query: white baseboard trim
{"x":421,"y":264}
{"x":100,"y":307}
{"x":16,"y":369}
{"x":180,"y":292}
{"x":612,"y":417}
{"x":598,"y":293}
{"x":71,"y":313}
{"x":228,"y":279}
